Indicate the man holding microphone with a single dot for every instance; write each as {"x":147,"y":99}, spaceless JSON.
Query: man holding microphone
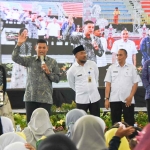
{"x":42,"y":71}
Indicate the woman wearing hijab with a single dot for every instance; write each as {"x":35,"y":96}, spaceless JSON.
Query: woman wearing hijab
{"x":57,"y":142}
{"x":71,"y":117}
{"x":38,"y":127}
{"x":124,"y":145}
{"x":16,"y":146}
{"x":5,"y":107}
{"x":9,"y":138}
{"x":6,"y":125}
{"x":88,"y":134}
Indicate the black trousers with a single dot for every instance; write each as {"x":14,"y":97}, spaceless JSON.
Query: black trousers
{"x":119,"y":108}
{"x":94,"y":108}
{"x":148,"y":108}
{"x":31,"y":106}
{"x":52,"y":38}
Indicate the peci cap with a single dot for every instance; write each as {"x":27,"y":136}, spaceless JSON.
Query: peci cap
{"x":78,"y":49}
{"x":96,"y":28}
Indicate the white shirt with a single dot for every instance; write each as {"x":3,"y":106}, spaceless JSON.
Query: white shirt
{"x":129,"y":46}
{"x":122,"y":79}
{"x":53,"y":29}
{"x":78,"y":75}
{"x":101,"y":61}
{"x":42,"y":31}
{"x":7,"y":125}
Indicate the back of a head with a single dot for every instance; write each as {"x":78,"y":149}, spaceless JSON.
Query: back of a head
{"x":57,"y":142}
{"x":73,"y":115}
{"x":88,"y":133}
{"x":9,"y":138}
{"x":16,"y":146}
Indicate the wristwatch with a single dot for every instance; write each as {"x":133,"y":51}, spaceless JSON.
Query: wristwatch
{"x":106,"y":98}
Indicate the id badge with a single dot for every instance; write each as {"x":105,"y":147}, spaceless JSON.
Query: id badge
{"x":89,"y":79}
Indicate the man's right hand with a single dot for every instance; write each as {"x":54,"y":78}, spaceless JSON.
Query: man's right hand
{"x":22,"y":38}
{"x":121,"y":132}
{"x":107,"y":104}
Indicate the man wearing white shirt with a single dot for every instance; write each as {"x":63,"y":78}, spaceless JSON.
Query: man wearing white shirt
{"x":121,"y":84}
{"x":53,"y":31}
{"x":83,"y":79}
{"x":128,"y":45}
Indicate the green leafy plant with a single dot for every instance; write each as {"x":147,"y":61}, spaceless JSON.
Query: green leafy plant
{"x":141,"y":119}
{"x":20,"y":120}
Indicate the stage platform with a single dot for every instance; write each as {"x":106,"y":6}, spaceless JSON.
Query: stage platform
{"x":67,"y":95}
{"x":137,"y":109}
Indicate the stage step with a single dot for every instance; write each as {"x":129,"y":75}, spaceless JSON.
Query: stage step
{"x":137,"y":109}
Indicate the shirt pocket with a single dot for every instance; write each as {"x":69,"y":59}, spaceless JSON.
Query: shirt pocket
{"x":114,"y":76}
{"x":128,"y":74}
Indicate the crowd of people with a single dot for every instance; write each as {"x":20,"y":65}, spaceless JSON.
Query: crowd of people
{"x":84,"y":132}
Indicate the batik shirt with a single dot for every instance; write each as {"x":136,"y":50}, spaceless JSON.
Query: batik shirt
{"x":80,"y":39}
{"x":39,"y":84}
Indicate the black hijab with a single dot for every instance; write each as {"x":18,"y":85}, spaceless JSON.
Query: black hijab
{"x":1,"y":127}
{"x":57,"y":142}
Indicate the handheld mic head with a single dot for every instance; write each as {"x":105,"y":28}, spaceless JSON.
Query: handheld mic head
{"x":42,"y":59}
{"x":92,"y":37}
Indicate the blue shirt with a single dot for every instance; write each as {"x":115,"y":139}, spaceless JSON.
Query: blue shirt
{"x":146,"y":78}
{"x":145,"y":48}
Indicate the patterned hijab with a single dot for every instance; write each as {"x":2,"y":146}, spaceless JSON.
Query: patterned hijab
{"x":71,"y":117}
{"x":38,"y":126}
{"x":88,"y":133}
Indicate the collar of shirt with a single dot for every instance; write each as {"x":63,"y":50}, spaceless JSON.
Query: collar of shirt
{"x":117,"y":64}
{"x":85,"y":36}
{"x":76,"y":64}
{"x":124,"y":41}
{"x":37,"y":58}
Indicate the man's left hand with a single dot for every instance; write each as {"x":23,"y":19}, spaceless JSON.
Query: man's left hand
{"x":45,"y":69}
{"x":95,"y":45}
{"x":128,"y":101}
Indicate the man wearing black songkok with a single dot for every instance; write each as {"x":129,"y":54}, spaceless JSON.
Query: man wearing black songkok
{"x":83,"y":79}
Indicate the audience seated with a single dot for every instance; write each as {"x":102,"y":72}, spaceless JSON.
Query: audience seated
{"x":9,"y":138}
{"x":16,"y":146}
{"x":124,"y":145}
{"x":57,"y":142}
{"x":88,"y":134}
{"x":6,"y":125}
{"x":38,"y":127}
{"x":71,"y":117}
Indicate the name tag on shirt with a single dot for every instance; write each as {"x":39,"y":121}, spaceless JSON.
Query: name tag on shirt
{"x":115,"y":71}
{"x":79,"y":75}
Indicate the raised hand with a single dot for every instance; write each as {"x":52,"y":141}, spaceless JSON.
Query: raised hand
{"x":22,"y":37}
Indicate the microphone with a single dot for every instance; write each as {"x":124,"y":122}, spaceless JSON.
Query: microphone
{"x":92,"y":37}
{"x":42,"y":59}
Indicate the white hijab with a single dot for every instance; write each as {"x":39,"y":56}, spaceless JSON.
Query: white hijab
{"x":88,"y":133}
{"x":9,"y":138}
{"x":38,"y":126}
{"x":71,"y":117}
{"x":16,"y":146}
